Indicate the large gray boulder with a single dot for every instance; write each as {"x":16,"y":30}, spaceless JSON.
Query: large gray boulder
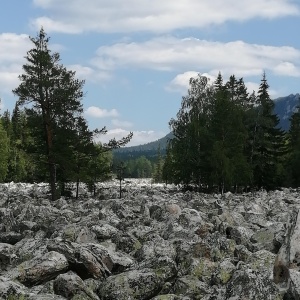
{"x":70,"y":284}
{"x":286,"y":271}
{"x":157,"y":242}
{"x":41,"y":269}
{"x":137,"y":284}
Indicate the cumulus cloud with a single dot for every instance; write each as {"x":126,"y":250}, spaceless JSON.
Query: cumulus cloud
{"x":287,"y":69}
{"x":97,"y":112}
{"x":13,"y":48}
{"x":139,"y":137}
{"x":170,"y":53}
{"x":153,"y":15}
{"x":87,"y":73}
{"x":181,"y":82}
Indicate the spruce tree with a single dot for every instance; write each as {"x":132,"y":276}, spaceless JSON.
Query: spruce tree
{"x":293,"y":157}
{"x":228,"y":135}
{"x":268,"y":144}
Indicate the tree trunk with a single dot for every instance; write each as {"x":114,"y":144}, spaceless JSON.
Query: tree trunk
{"x":52,"y":172}
{"x":77,"y":188}
{"x":51,"y":163}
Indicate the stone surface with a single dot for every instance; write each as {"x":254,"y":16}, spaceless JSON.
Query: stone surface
{"x":157,"y":242}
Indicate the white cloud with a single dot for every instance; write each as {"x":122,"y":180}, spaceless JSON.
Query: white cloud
{"x":170,"y":53}
{"x":119,"y":123}
{"x":253,"y":86}
{"x":181,"y":82}
{"x":54,"y":25}
{"x":97,"y":112}
{"x":87,"y":73}
{"x":13,"y":48}
{"x":139,"y":137}
{"x":287,"y":69}
{"x":154,"y":15}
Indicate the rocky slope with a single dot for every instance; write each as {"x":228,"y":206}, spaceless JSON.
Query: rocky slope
{"x":155,"y":243}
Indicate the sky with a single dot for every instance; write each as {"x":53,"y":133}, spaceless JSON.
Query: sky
{"x":137,"y":56}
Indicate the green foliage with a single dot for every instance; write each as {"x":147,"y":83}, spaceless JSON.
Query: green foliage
{"x":56,"y":135}
{"x":4,"y":151}
{"x":225,"y":137}
{"x":267,"y":140}
{"x":158,"y":167}
{"x":54,"y":95}
{"x":191,"y":139}
{"x":98,"y":167}
{"x":292,"y":163}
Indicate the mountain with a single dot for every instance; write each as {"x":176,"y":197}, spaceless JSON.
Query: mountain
{"x":149,"y":150}
{"x":284,"y":107}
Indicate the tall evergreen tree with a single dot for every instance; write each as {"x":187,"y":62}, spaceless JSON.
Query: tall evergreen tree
{"x":293,"y":158}
{"x":267,"y":140}
{"x":53,"y":92}
{"x":228,"y":134}
{"x":55,"y":96}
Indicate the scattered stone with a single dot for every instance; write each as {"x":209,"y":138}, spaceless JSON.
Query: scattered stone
{"x":156,"y":242}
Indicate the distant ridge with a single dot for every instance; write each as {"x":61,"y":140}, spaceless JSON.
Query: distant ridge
{"x":152,"y":146}
{"x":284,"y":107}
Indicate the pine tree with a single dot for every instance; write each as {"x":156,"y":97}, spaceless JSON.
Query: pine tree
{"x":267,"y":140}
{"x":55,"y":96}
{"x":53,"y":92}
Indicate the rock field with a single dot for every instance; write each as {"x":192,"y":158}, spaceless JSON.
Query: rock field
{"x":156,"y":242}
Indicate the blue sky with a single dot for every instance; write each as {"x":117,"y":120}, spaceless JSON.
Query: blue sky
{"x":137,"y":55}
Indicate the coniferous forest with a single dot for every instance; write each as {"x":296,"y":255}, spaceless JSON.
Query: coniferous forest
{"x":224,"y":137}
{"x":229,"y":139}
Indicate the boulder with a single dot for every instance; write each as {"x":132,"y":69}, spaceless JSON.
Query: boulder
{"x":137,"y":284}
{"x":40,"y":270}
{"x":70,"y":284}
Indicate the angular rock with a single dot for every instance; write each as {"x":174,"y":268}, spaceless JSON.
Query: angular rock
{"x":10,"y":289}
{"x":136,"y":284}
{"x":81,"y":259}
{"x":69,"y":285}
{"x":6,"y":255}
{"x":42,"y":269}
{"x":286,"y":270}
{"x":248,"y":284}
{"x":191,"y":287}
